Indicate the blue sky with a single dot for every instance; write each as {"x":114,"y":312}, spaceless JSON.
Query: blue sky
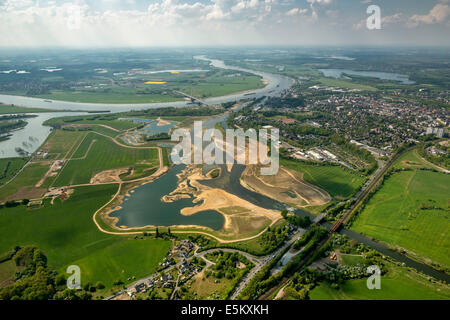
{"x":103,"y":23}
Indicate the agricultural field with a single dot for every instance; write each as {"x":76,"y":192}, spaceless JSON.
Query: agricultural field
{"x":340,"y":183}
{"x":98,"y":153}
{"x":107,"y":78}
{"x":398,"y":284}
{"x":23,"y":186}
{"x":60,"y":144}
{"x":106,"y":120}
{"x":411,"y":211}
{"x":67,"y":235}
{"x":10,"y":167}
{"x":160,"y":87}
{"x":64,"y":231}
{"x":125,"y":259}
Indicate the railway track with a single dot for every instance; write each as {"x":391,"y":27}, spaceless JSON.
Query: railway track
{"x":366,"y":192}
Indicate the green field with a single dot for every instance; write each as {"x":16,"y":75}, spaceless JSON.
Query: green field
{"x":7,"y":271}
{"x":122,"y":260}
{"x":337,"y":181}
{"x":60,"y":142}
{"x":108,"y":120}
{"x":398,"y":284}
{"x":102,"y":154}
{"x":10,"y":167}
{"x":10,"y":109}
{"x":23,"y":185}
{"x":64,"y":231}
{"x":411,"y":160}
{"x":67,"y":235}
{"x":352,"y":260}
{"x":411,"y":210}
{"x":202,"y":85}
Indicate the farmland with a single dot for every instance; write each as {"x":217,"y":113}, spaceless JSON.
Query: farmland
{"x":97,"y":153}
{"x":337,"y":181}
{"x":10,"y":167}
{"x":23,"y":186}
{"x":411,"y":211}
{"x":397,"y":284}
{"x":65,"y":232}
{"x":122,"y":260}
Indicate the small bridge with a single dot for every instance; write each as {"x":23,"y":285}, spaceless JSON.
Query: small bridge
{"x":192,"y":98}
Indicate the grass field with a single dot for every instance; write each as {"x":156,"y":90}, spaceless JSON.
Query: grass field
{"x":67,"y":235}
{"x":103,"y":155}
{"x":411,"y":210}
{"x":7,"y":272}
{"x":205,"y":287}
{"x":108,"y":120}
{"x":64,"y":231}
{"x":337,"y":181}
{"x":411,"y":160}
{"x":9,"y":167}
{"x":23,"y":185}
{"x":61,"y":142}
{"x":162,"y":88}
{"x":398,"y":284}
{"x":9,"y":109}
{"x":352,"y":260}
{"x":122,"y":260}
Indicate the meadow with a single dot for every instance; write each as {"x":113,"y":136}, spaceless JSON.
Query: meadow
{"x":158,"y":87}
{"x":411,"y":210}
{"x":22,"y":187}
{"x":9,"y":167}
{"x":123,"y":260}
{"x":338,"y":182}
{"x":97,"y":153}
{"x":398,"y":284}
{"x":67,"y":235}
{"x":64,"y":231}
{"x":107,"y":119}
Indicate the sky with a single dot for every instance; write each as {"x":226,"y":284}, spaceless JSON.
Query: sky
{"x":162,"y":23}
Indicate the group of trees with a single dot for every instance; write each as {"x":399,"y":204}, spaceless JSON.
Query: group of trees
{"x":34,"y":280}
{"x":299,"y":221}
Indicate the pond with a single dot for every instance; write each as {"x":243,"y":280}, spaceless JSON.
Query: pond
{"x":145,"y":208}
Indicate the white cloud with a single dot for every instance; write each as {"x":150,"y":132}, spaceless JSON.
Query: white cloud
{"x":320,"y":1}
{"x":296,"y":11}
{"x":438,"y":14}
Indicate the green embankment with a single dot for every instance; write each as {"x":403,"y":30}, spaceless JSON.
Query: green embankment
{"x":337,"y":181}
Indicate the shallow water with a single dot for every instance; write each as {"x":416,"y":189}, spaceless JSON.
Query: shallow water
{"x":337,"y":73}
{"x":145,"y":207}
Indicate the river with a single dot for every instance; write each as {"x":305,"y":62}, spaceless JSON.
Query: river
{"x":35,"y":129}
